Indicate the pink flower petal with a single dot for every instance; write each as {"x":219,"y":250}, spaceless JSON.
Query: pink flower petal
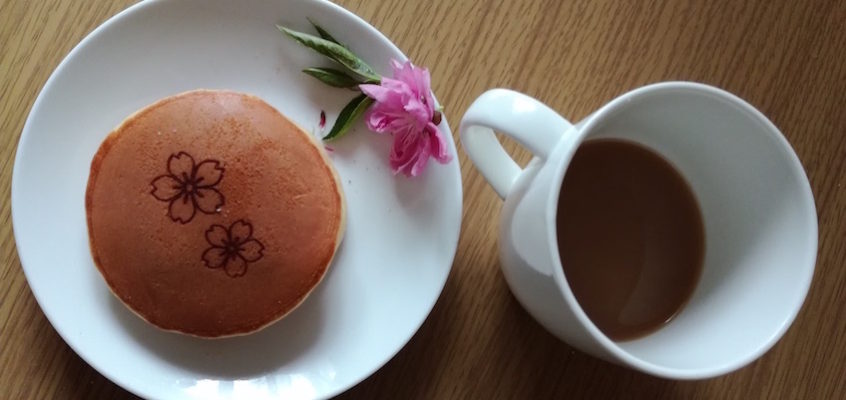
{"x":236,"y":266}
{"x":398,"y":86}
{"x":380,"y":121}
{"x":417,"y":79}
{"x":165,"y":188}
{"x":376,"y":92}
{"x":214,"y":257}
{"x":397,"y":100}
{"x":425,"y":88}
{"x":208,"y":173}
{"x":208,"y":200}
{"x":420,"y":112}
{"x":217,"y":235}
{"x":181,"y":166}
{"x":385,"y":118}
{"x":439,"y":149}
{"x":240,"y":231}
{"x":408,"y":75}
{"x":182,"y":209}
{"x":423,"y":151}
{"x":251,"y":250}
{"x":404,"y":151}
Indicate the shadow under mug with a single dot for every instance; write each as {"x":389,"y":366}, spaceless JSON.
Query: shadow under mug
{"x":757,"y":208}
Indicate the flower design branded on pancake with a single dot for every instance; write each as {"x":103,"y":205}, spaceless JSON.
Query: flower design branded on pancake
{"x":189,"y":187}
{"x":232,"y":248}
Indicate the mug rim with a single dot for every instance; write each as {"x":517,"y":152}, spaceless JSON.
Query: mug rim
{"x":582,"y":130}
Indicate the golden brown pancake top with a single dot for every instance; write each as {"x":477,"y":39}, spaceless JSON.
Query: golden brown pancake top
{"x":209,"y":213}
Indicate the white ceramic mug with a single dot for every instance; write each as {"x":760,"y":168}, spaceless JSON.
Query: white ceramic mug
{"x":756,"y":203}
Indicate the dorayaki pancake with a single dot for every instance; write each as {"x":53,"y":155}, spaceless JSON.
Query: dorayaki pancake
{"x":211,"y":214}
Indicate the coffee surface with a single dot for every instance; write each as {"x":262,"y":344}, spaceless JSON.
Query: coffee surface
{"x":630,"y":237}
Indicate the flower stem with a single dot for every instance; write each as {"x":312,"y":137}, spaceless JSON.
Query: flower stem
{"x":437,"y":116}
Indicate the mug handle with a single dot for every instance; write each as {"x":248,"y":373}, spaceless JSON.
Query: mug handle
{"x":531,"y":123}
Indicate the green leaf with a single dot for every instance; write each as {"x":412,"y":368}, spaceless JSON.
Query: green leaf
{"x":335,"y":52}
{"x":324,"y":34}
{"x":351,"y":112}
{"x":332,"y":77}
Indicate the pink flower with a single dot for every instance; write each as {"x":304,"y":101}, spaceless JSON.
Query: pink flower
{"x":405,"y":108}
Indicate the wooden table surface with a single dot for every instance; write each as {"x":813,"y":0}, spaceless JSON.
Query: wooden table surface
{"x":786,"y":57}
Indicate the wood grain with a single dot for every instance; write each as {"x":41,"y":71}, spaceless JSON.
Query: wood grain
{"x":788,"y":58}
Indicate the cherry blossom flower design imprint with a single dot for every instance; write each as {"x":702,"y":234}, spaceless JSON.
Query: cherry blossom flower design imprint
{"x":232,"y":248}
{"x":189,"y":187}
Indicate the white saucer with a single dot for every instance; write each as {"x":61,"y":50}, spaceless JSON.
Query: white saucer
{"x":401,"y":236}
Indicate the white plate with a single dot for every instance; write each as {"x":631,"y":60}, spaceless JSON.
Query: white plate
{"x":401,"y":238}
